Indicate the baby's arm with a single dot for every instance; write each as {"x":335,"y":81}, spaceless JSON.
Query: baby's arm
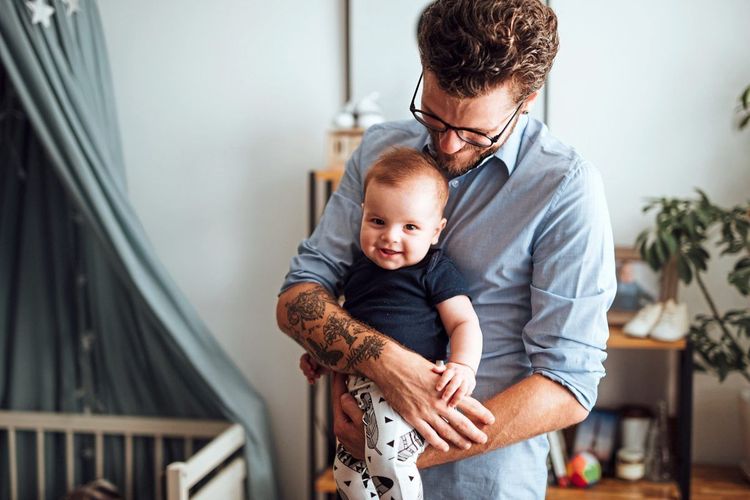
{"x":461,"y":323}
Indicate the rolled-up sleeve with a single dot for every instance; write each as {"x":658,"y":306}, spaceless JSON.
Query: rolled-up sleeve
{"x":573,"y":285}
{"x":326,"y":256}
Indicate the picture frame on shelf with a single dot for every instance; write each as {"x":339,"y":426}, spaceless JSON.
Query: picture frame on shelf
{"x":597,"y":435}
{"x":638,"y":285}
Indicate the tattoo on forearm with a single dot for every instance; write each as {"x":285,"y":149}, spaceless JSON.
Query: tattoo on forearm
{"x":370,"y":348}
{"x":324,"y":339}
{"x":339,"y":326}
{"x":329,"y":357}
{"x":307,"y":306}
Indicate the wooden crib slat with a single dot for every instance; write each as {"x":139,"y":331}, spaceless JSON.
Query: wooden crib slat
{"x":99,"y":455}
{"x":128,"y":467}
{"x":12,"y":463}
{"x":40,"y":472}
{"x":101,"y":426}
{"x":177,"y":486}
{"x":158,"y":460}
{"x":69,"y":461}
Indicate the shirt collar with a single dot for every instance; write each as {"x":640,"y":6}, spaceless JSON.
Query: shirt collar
{"x":508,"y":153}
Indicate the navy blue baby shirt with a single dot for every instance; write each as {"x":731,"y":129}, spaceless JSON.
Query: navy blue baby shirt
{"x":401,"y":303}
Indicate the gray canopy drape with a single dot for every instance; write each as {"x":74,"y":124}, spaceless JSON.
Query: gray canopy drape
{"x":89,"y":318}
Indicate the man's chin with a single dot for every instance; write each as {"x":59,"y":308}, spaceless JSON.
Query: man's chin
{"x":455,"y":165}
{"x":465,"y":159}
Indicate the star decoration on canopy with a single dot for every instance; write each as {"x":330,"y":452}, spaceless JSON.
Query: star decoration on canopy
{"x":40,"y":12}
{"x":72,"y":6}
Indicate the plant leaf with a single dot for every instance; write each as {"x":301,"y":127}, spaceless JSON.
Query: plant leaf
{"x":698,"y":367}
{"x":739,"y":277}
{"x":683,"y":270}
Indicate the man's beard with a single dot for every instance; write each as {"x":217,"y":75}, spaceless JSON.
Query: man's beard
{"x":453,"y":167}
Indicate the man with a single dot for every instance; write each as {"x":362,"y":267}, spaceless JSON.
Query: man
{"x":528,"y":227}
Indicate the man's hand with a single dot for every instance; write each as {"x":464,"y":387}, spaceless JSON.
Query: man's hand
{"x":347,"y":418}
{"x":408,"y":382}
{"x":311,"y":368}
{"x":456,"y":382}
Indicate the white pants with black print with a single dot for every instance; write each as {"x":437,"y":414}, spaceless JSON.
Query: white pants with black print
{"x":389,"y":470}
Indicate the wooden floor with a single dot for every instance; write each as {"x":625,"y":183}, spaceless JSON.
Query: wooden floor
{"x":708,"y":483}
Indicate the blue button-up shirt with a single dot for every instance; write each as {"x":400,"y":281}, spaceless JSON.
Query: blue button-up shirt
{"x":530,"y":231}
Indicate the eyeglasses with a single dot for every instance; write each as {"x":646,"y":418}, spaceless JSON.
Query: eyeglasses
{"x":468,"y":135}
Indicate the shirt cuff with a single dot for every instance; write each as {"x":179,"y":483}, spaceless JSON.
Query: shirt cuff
{"x":583,"y":386}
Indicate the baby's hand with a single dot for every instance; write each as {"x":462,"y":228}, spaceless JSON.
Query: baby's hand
{"x":311,"y":368}
{"x":456,"y":382}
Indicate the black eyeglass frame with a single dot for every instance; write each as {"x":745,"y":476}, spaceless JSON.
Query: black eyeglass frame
{"x":458,"y":130}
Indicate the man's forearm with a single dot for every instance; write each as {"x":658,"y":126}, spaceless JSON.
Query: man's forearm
{"x":531,"y":407}
{"x":314,"y":319}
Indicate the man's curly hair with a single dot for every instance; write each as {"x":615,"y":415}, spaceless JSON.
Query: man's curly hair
{"x":473,"y":46}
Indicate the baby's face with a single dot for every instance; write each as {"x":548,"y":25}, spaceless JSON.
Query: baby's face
{"x":399,"y":223}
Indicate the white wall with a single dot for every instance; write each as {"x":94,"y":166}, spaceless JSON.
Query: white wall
{"x":223,"y":108}
{"x":385,"y":58}
{"x":646,"y":90}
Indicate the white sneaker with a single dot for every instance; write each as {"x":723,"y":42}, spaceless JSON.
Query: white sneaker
{"x":673,"y":323}
{"x":643,"y":322}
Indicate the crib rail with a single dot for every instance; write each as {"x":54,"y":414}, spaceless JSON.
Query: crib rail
{"x":127,"y":427}
{"x":181,"y":476}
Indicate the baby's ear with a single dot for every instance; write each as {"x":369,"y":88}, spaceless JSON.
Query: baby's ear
{"x":438,"y":230}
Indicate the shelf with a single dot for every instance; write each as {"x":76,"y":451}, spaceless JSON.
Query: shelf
{"x":330,"y":174}
{"x":708,"y":482}
{"x":325,"y":483}
{"x":611,"y":489}
{"x":618,"y":340}
{"x":354,"y":131}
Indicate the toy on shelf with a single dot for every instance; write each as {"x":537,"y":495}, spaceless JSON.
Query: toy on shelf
{"x":584,"y":470}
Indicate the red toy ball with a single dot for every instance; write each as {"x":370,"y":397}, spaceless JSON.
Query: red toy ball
{"x":584,"y":470}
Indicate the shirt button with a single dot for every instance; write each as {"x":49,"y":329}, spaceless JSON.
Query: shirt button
{"x":454,"y":183}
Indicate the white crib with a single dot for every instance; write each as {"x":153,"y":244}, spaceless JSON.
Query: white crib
{"x":227,"y":480}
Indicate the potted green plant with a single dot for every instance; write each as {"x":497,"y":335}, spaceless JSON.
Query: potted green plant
{"x":684,"y":232}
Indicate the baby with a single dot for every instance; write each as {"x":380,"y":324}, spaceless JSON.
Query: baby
{"x":406,"y":289}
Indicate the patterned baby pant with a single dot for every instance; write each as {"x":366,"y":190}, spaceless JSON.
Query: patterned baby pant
{"x":389,"y":470}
